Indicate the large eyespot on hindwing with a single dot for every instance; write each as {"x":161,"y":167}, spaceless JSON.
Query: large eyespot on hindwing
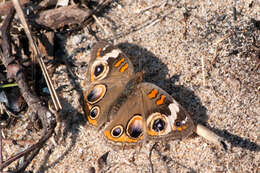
{"x":99,"y":70}
{"x":157,"y":124}
{"x":96,"y":94}
{"x":135,"y":127}
{"x":133,"y":134}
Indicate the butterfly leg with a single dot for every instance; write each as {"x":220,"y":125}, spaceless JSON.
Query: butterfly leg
{"x":211,"y":136}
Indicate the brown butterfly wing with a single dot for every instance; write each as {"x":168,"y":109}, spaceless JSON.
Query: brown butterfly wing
{"x":108,"y":73}
{"x":128,"y":123}
{"x":151,"y":112}
{"x":108,"y":61}
{"x":165,"y":117}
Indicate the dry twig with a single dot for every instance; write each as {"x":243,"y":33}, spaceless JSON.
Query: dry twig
{"x":217,"y":46}
{"x":18,"y":142}
{"x":15,"y":71}
{"x":211,"y":136}
{"x":54,"y":96}
{"x":150,"y":156}
{"x":100,"y":24}
{"x":1,"y":158}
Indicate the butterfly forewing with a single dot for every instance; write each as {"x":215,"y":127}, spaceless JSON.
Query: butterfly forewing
{"x":108,"y":73}
{"x":164,"y":117}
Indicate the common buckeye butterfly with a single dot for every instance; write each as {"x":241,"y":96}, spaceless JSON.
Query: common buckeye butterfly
{"x":132,"y":110}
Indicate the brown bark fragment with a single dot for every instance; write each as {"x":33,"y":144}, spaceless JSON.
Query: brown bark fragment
{"x":4,"y":7}
{"x":58,"y":17}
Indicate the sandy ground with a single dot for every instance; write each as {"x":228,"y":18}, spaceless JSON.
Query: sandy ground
{"x":206,"y":62}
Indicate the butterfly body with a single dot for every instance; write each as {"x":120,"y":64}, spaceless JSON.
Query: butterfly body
{"x":131,"y":110}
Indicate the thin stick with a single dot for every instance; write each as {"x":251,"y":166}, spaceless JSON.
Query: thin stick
{"x":96,"y":10}
{"x":257,"y":66}
{"x":18,"y":142}
{"x":203,"y":70}
{"x":155,"y":21}
{"x":100,"y":24}
{"x":217,"y":46}
{"x":211,"y":136}
{"x":152,"y":6}
{"x":37,"y":53}
{"x":34,"y":148}
{"x":1,"y":158}
{"x":150,"y":155}
{"x":143,"y":26}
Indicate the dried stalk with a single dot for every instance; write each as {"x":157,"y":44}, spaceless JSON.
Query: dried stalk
{"x":1,"y":158}
{"x":211,"y":136}
{"x":15,"y":71}
{"x":54,"y":95}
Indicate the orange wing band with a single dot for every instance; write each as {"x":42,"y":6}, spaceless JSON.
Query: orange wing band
{"x":153,"y":94}
{"x":122,"y":69}
{"x":161,"y":100}
{"x":119,"y":62}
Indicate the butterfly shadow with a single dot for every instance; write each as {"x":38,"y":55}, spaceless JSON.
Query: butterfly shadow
{"x":237,"y":141}
{"x":156,"y":72}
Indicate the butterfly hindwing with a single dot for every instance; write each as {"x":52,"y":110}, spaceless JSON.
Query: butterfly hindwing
{"x":128,"y":124}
